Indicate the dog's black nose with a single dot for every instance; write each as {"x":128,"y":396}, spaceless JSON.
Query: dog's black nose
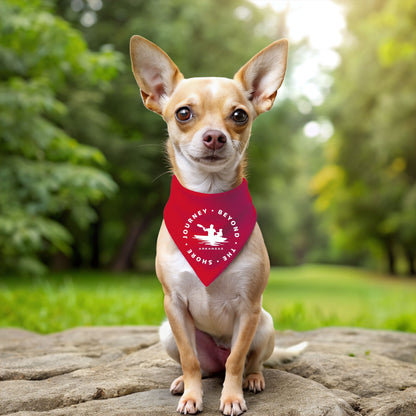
{"x":214,"y":139}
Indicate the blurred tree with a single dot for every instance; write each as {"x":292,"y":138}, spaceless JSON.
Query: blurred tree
{"x":46,"y":176}
{"x":279,"y":166}
{"x":369,"y":184}
{"x":205,"y":38}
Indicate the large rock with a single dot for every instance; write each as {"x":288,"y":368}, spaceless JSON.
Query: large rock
{"x":124,"y":371}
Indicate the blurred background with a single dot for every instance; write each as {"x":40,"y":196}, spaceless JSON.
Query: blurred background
{"x":83,"y":176}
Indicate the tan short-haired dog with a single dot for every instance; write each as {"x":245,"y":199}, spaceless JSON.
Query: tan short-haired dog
{"x":220,"y":325}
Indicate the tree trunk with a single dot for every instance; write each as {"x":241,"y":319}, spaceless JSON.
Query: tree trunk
{"x":95,"y":260}
{"x":411,"y":261}
{"x":391,"y":257}
{"x":123,"y":260}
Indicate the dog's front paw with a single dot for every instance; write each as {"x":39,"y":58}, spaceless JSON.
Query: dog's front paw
{"x":233,"y":405}
{"x":190,"y":403}
{"x":254,"y":382}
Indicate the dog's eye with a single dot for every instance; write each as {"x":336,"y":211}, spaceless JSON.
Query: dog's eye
{"x":183,"y":114}
{"x":240,"y":116}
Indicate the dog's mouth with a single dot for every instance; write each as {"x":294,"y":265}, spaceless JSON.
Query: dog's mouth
{"x":211,"y":159}
{"x":208,"y":159}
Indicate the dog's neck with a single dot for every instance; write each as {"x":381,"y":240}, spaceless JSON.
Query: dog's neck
{"x":196,"y":179}
{"x":208,"y":183}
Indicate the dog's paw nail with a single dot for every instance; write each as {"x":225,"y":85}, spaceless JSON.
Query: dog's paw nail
{"x":234,"y":408}
{"x":189,"y":407}
{"x":255,"y":383}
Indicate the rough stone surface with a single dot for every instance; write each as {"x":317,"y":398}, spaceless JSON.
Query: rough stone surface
{"x":123,"y":371}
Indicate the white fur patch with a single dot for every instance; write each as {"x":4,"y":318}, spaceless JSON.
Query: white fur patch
{"x":214,"y":88}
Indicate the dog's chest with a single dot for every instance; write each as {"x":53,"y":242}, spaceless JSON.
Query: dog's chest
{"x":213,"y":308}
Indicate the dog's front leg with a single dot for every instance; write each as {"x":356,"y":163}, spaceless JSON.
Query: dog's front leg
{"x":183,"y":329}
{"x":232,"y":398}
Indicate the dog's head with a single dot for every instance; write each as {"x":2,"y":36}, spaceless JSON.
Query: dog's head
{"x":209,"y":119}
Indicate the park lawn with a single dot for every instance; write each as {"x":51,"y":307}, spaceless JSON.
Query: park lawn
{"x":313,"y":296}
{"x":299,"y":298}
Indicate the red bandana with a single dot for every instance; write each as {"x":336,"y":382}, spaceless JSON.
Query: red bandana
{"x":209,"y":229}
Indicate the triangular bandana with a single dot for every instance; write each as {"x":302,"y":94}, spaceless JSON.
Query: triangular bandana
{"x":209,"y":229}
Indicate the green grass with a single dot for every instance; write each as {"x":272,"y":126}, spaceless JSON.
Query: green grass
{"x":61,"y":301}
{"x":314,"y":296}
{"x":299,"y":298}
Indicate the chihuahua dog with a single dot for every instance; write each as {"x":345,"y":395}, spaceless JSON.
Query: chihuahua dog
{"x":220,"y":326}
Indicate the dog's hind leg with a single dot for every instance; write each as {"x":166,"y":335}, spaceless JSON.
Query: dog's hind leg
{"x":168,"y":342}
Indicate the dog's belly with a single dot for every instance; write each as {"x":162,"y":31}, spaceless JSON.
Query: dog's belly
{"x":212,"y":356}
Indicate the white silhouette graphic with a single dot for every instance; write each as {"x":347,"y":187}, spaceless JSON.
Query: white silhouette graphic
{"x":214,"y":237}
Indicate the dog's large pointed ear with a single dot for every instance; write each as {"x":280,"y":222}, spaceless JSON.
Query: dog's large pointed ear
{"x":263,"y":75}
{"x":155,"y":73}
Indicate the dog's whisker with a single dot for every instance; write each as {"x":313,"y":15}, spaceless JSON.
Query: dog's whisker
{"x":162,"y":174}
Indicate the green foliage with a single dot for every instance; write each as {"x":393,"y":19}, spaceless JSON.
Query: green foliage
{"x":44,"y":172}
{"x":278,"y":181}
{"x":301,"y":298}
{"x":369,"y":187}
{"x":71,"y":119}
{"x":204,"y":38}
